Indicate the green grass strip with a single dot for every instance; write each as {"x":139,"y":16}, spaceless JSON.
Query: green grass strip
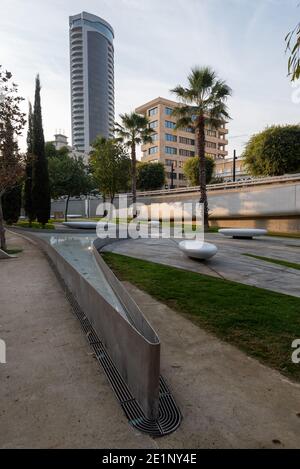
{"x":35,"y":225}
{"x":262,"y":323}
{"x":14,"y":250}
{"x":283,"y":235}
{"x":292,"y":265}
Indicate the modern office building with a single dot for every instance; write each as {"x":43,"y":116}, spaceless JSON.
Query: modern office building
{"x":92,"y":79}
{"x":173,"y":146}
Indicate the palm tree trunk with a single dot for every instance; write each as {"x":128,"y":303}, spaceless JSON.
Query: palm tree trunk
{"x":202,"y":168}
{"x":133,"y":179}
{"x":2,"y":229}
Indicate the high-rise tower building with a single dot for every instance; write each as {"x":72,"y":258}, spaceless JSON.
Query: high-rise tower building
{"x":92,"y":79}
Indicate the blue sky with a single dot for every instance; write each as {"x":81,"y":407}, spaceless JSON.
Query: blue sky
{"x":156,"y":44}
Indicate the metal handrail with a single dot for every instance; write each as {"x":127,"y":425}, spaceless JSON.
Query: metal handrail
{"x":225,"y":185}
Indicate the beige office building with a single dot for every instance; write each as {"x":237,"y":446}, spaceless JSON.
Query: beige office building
{"x":173,"y":146}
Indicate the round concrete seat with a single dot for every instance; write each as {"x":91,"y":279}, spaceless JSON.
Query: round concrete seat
{"x":198,"y":249}
{"x":74,"y":215}
{"x":87,"y":225}
{"x":239,"y":233}
{"x":84,"y":225}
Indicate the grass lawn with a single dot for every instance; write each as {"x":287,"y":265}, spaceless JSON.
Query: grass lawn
{"x":292,"y":265}
{"x":284,"y":235}
{"x":260,"y":322}
{"x":35,"y":225}
{"x":14,"y":250}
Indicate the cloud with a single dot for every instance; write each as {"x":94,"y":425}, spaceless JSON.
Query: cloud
{"x":156,"y":44}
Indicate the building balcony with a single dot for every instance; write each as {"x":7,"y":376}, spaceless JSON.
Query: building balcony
{"x":222,"y":130}
{"x":76,"y":43}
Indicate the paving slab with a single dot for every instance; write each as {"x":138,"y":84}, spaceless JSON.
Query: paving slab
{"x":229,"y":262}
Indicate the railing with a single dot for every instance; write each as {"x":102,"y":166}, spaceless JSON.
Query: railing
{"x":288,"y":178}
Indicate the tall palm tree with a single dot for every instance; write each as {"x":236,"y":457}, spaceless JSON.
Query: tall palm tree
{"x":203,"y":103}
{"x":134,"y":130}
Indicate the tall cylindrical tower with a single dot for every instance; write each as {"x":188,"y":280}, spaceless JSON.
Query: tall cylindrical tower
{"x":92,"y":79}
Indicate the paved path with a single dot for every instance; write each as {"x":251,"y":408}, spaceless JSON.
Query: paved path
{"x":229,"y":262}
{"x":53,"y":394}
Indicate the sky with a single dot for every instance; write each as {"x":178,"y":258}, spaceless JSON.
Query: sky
{"x":157,"y":42}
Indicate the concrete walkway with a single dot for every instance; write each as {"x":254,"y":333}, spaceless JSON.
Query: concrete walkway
{"x":228,"y":400}
{"x":230,"y":261}
{"x":54,"y":395}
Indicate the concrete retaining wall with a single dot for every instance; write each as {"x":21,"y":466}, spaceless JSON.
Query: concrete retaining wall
{"x":273,"y":206}
{"x":132,"y":345}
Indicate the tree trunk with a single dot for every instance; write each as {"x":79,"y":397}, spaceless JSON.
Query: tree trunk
{"x":202,"y":168}
{"x":2,"y":229}
{"x":66,"y":208}
{"x":104,"y":201}
{"x":133,"y":179}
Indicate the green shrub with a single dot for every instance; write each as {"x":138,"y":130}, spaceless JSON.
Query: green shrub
{"x":35,"y":225}
{"x":274,"y":152}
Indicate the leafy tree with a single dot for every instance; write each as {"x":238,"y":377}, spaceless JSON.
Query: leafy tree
{"x":292,"y":40}
{"x":40,"y":176}
{"x":150,"y":176}
{"x":191,"y":170}
{"x":274,"y":152}
{"x":217,"y":180}
{"x":133,"y":130}
{"x":110,"y":166}
{"x":50,"y":150}
{"x":12,"y":121}
{"x":203,"y":103}
{"x":63,"y":151}
{"x":28,"y":204}
{"x":68,"y":177}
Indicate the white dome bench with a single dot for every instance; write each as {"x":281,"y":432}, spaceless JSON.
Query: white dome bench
{"x":84,"y":225}
{"x":198,"y":249}
{"x":242,"y":233}
{"x":87,"y":225}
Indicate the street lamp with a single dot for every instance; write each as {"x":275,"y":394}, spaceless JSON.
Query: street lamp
{"x":172,"y":176}
{"x":233,"y":165}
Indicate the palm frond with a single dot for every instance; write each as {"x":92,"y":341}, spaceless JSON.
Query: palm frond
{"x":205,"y":96}
{"x":184,"y":122}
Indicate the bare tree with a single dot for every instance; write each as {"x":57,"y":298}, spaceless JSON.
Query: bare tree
{"x":12,"y":121}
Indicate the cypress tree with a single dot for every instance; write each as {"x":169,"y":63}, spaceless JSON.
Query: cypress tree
{"x":28,"y":205}
{"x":40,"y":180}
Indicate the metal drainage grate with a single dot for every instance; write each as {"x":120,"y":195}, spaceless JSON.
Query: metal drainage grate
{"x":169,"y":417}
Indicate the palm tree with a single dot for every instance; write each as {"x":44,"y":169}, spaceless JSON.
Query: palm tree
{"x":203,"y":103}
{"x":134,"y":130}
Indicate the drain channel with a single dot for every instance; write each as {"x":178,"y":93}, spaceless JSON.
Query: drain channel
{"x":169,"y":417}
